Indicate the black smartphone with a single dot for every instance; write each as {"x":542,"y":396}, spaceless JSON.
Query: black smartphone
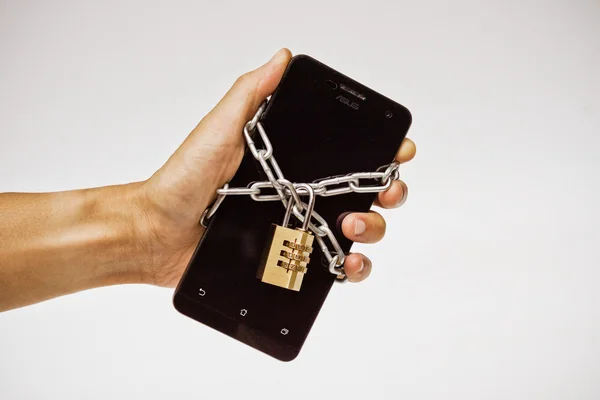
{"x":321,"y":123}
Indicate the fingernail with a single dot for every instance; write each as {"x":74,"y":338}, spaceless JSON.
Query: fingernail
{"x":362,"y":265}
{"x":404,"y":194}
{"x":359,"y":227}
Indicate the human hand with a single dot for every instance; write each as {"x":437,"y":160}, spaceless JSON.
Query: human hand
{"x":175,"y":197}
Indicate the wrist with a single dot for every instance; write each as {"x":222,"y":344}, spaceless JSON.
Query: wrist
{"x":117,"y":213}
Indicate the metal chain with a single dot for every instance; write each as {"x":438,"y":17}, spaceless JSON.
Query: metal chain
{"x":285,"y":191}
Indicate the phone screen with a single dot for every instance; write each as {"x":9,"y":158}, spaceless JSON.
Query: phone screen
{"x":321,"y":124}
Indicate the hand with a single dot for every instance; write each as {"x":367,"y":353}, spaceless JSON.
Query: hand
{"x":175,"y":197}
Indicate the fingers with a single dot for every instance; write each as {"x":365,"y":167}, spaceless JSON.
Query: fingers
{"x":370,"y":227}
{"x":364,"y":227}
{"x":357,"y":267}
{"x":407,"y":151}
{"x":397,"y":194}
{"x":394,"y":197}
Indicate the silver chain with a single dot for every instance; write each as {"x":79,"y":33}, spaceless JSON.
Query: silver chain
{"x":285,"y":190}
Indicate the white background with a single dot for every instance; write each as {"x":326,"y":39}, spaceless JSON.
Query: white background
{"x":486,"y":285}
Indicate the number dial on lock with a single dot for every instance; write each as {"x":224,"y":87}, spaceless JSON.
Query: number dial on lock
{"x":287,"y":251}
{"x":286,"y":257}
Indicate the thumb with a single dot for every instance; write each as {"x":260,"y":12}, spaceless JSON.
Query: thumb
{"x":211,"y":153}
{"x":222,"y":127}
{"x":249,"y":91}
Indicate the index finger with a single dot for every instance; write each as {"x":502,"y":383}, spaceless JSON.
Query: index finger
{"x":407,"y":151}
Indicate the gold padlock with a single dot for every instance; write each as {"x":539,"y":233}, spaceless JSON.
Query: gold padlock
{"x":287,"y":251}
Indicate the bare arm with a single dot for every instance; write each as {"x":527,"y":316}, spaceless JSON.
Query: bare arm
{"x":52,"y":244}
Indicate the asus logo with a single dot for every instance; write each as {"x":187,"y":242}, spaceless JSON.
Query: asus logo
{"x":347,"y":102}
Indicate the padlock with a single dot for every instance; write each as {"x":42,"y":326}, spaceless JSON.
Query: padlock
{"x":287,"y":252}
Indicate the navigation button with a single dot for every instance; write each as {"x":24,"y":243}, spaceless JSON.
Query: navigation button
{"x":284,"y":331}
{"x":201,"y":292}
{"x":243,"y":312}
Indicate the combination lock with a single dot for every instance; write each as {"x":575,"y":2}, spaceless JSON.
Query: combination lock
{"x":287,"y":251}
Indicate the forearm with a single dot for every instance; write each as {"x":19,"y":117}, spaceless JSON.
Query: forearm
{"x":52,"y":244}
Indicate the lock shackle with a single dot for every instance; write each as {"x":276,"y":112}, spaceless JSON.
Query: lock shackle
{"x":290,"y":186}
{"x":288,"y":212}
{"x":295,"y":198}
{"x":310,"y":206}
{"x":289,"y":203}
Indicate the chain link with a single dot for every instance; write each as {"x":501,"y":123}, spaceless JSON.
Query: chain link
{"x":285,"y":191}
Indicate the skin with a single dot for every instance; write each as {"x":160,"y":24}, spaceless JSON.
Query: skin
{"x":53,"y":244}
